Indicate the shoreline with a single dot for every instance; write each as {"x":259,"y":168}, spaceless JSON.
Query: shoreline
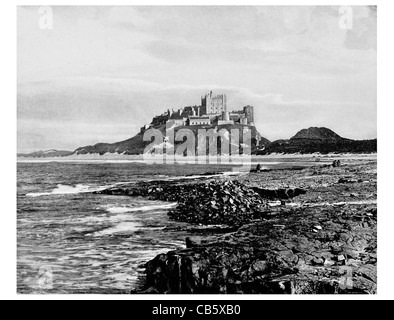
{"x":278,"y":239}
{"x":116,"y":158}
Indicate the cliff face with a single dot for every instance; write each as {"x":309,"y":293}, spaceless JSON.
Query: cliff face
{"x":320,"y":140}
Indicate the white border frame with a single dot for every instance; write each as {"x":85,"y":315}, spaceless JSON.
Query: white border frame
{"x":8,"y":167}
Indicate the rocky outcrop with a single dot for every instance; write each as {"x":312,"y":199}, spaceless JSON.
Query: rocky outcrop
{"x":323,"y":241}
{"x":320,"y":238}
{"x":219,"y":202}
{"x":165,"y":190}
{"x":283,"y":194}
{"x":325,"y":252}
{"x":214,"y":201}
{"x":136,"y":145}
{"x":336,"y":164}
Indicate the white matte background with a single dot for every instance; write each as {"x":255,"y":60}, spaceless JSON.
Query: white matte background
{"x":9,"y":129}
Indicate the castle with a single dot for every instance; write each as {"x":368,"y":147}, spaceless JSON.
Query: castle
{"x":212,"y":111}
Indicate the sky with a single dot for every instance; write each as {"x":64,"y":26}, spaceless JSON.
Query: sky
{"x":99,"y":73}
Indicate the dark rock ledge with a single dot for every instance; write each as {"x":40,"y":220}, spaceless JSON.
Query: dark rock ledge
{"x":310,"y":248}
{"x":307,"y":252}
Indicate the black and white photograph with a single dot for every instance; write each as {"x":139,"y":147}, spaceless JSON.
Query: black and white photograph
{"x":196,"y":150}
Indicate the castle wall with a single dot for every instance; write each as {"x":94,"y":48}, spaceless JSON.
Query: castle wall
{"x":213,"y":109}
{"x":199,"y":121}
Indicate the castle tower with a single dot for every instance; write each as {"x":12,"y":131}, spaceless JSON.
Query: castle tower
{"x":214,"y":104}
{"x":249,"y":114}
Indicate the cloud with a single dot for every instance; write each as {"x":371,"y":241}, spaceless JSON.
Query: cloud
{"x":120,"y":66}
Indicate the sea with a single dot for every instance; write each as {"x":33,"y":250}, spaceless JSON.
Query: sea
{"x":72,"y":241}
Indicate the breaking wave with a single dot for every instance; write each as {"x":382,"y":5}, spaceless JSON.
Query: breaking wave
{"x":65,"y":189}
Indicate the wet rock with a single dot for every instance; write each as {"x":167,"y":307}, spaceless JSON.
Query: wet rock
{"x":336,"y":164}
{"x":279,"y":193}
{"x":260,"y":266}
{"x":317,"y":261}
{"x":266,"y":247}
{"x":277,"y":255}
{"x":347,"y":180}
{"x":191,"y":243}
{"x":219,"y":202}
{"x":258,"y":168}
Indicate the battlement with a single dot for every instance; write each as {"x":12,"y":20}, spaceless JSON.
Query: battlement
{"x":212,"y":111}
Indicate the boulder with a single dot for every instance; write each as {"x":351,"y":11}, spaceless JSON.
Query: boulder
{"x":336,"y":164}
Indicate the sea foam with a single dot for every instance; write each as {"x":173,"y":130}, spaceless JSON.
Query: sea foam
{"x":124,"y":227}
{"x":118,"y":209}
{"x":67,"y":189}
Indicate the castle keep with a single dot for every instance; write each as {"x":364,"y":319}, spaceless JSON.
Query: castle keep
{"x":214,"y":104}
{"x":212,"y":111}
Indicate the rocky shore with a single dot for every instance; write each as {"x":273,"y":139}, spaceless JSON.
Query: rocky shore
{"x":309,"y":231}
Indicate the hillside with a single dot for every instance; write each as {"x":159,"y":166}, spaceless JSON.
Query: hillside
{"x":320,"y":140}
{"x":136,"y":145}
{"x":316,"y":134}
{"x":312,"y":140}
